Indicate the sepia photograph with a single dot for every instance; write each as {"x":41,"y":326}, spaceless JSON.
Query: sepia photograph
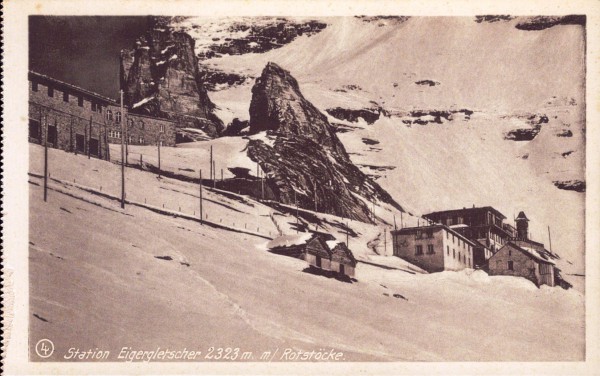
{"x":380,"y":188}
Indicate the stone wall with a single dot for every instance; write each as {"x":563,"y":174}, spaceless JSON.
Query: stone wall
{"x":144,"y":130}
{"x":67,"y":120}
{"x":77,"y":121}
{"x":523,"y":265}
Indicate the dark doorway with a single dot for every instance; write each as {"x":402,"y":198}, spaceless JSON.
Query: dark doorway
{"x":52,"y":138}
{"x":80,"y":143}
{"x":94,"y":149}
{"x":342,"y":270}
{"x":35,"y":131}
{"x":318,"y":262}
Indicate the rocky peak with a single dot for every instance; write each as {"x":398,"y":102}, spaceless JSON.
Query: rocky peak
{"x":278,"y":106}
{"x":306,"y":163}
{"x":160,"y":77}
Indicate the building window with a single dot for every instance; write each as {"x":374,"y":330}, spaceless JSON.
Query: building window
{"x":509,"y":252}
{"x":510,"y":265}
{"x":65,"y":96}
{"x":34,"y":86}
{"x":469,"y":262}
{"x":430,"y":234}
{"x":142,"y":125}
{"x":430,"y":249}
{"x":162,"y":127}
{"x":418,"y":250}
{"x":448,"y":250}
{"x":141,"y":140}
{"x":50,"y":91}
{"x":80,"y":101}
{"x":108,"y":115}
{"x":454,"y":253}
{"x":118,"y":116}
{"x":447,"y":235}
{"x":130,"y":123}
{"x":96,"y":107}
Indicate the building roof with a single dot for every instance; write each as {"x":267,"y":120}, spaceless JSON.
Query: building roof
{"x":409,"y":230}
{"x":73,"y":88}
{"x":456,"y":211}
{"x":341,"y":249}
{"x":522,"y":216}
{"x":531,"y":252}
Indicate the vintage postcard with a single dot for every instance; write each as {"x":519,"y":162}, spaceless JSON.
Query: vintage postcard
{"x":299,"y":187}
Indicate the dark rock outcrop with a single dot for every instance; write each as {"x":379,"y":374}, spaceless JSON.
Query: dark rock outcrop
{"x":306,"y":160}
{"x":528,"y":134}
{"x":369,"y":115}
{"x":427,"y":83}
{"x":259,"y":38}
{"x":235,"y":127}
{"x":493,"y":18}
{"x":160,"y":77}
{"x":545,"y":22}
{"x":571,"y":185}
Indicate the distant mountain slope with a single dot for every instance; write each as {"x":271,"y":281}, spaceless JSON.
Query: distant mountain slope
{"x":502,"y":79}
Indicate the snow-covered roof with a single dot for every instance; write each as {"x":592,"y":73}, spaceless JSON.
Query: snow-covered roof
{"x":289,"y":240}
{"x":535,"y":254}
{"x":332,"y":243}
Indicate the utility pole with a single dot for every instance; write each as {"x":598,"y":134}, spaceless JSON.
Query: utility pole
{"x":214,"y":175}
{"x":201,"y":197}
{"x":46,"y":160}
{"x":221,"y":175}
{"x":89,"y":137}
{"x":211,"y":163}
{"x":347,"y":235}
{"x":384,"y":241}
{"x":315,"y":189}
{"x":401,"y":220}
{"x":296,"y":203}
{"x":262,"y":185}
{"x":123,"y":159}
{"x":124,"y":123}
{"x":158,"y":143}
{"x":550,"y":239}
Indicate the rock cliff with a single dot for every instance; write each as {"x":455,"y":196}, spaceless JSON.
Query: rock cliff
{"x":306,"y":161}
{"x":160,"y":77}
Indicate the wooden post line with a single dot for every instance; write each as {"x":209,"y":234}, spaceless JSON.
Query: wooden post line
{"x":122,"y":159}
{"x":46,"y":161}
{"x":159,"y":138}
{"x":201,"y":197}
{"x":211,"y":163}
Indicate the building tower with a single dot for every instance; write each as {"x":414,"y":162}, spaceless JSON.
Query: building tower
{"x":522,"y":223}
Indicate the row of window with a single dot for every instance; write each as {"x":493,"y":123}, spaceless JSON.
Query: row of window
{"x":424,"y":234}
{"x":419,"y":250}
{"x":454,"y":238}
{"x":96,"y":107}
{"x":117,"y":134}
{"x":462,"y":258}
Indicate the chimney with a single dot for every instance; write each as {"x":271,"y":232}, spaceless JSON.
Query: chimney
{"x":522,"y":226}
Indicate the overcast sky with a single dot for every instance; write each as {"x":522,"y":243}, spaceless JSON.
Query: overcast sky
{"x":83,"y":51}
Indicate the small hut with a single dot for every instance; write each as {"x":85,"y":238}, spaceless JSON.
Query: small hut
{"x":318,"y":253}
{"x":342,"y":259}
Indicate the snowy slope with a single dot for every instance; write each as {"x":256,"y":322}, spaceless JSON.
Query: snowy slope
{"x":502,"y":73}
{"x":142,"y":279}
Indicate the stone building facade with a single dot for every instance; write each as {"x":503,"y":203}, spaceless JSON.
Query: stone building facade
{"x":433,"y":248}
{"x":144,"y":130}
{"x":81,"y":121}
{"x":68,"y":117}
{"x":522,"y":261}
